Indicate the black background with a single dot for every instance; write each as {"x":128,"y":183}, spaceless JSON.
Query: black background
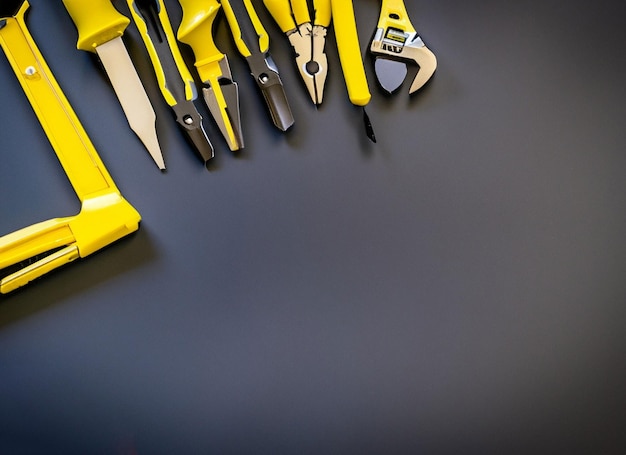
{"x":457,"y":287}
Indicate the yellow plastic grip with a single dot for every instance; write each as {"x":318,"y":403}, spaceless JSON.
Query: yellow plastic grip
{"x":281,"y":12}
{"x":300,"y":11}
{"x":241,"y":35}
{"x":97,"y":22}
{"x":393,"y":14}
{"x":322,"y":12}
{"x":163,"y":18}
{"x":350,"y":52}
{"x":196,"y":30}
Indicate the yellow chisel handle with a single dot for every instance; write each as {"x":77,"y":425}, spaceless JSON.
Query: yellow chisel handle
{"x":196,"y":30}
{"x":322,"y":12}
{"x":245,"y":26}
{"x":281,"y":12}
{"x":159,"y":18}
{"x":350,"y":52}
{"x":393,"y":14}
{"x":97,"y":22}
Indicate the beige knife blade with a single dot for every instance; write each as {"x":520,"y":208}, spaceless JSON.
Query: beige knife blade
{"x":132,"y":95}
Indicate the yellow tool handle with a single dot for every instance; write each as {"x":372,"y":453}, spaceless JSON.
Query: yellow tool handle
{"x":246,"y":27}
{"x":300,"y":11}
{"x":350,"y":52}
{"x":196,"y":30}
{"x":97,"y":22}
{"x":281,"y":12}
{"x":67,"y":136}
{"x":160,"y":19}
{"x":393,"y":14}
{"x":322,"y":12}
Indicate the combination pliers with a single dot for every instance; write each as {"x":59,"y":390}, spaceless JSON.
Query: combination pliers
{"x":307,"y":38}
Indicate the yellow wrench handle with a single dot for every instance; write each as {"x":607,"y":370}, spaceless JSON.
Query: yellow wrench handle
{"x":322,"y":12}
{"x":243,"y":35}
{"x":97,"y":22}
{"x":393,"y":14}
{"x":196,"y":30}
{"x":281,"y":12}
{"x":76,"y":153}
{"x":350,"y":52}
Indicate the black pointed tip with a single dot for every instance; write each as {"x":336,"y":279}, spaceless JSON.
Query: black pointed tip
{"x":369,"y":129}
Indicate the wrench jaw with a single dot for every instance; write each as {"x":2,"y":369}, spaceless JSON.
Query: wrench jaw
{"x":393,"y":49}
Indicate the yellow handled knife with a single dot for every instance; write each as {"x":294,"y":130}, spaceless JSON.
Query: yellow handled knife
{"x":100,"y":29}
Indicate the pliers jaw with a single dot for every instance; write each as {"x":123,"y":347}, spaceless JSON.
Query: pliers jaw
{"x":308,"y":42}
{"x":221,"y":96}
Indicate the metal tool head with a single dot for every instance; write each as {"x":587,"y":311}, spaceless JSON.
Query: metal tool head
{"x":222,"y":98}
{"x":308,"y":42}
{"x":393,"y":49}
{"x":227,"y":118}
{"x":265,"y":73}
{"x":190,"y":120}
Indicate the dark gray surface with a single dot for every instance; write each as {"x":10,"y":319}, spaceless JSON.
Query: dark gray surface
{"x":456,"y":288}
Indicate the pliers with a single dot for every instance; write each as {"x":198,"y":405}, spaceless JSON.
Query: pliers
{"x":307,"y":38}
{"x":252,"y":41}
{"x":175,"y":81}
{"x":221,"y":93}
{"x":396,"y":43}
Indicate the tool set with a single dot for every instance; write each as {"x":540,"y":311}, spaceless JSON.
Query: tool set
{"x":105,"y":215}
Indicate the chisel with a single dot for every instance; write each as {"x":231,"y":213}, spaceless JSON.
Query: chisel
{"x":100,"y":29}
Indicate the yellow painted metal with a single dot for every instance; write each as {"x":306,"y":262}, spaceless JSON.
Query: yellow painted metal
{"x":105,"y":216}
{"x":393,"y":14}
{"x":97,"y":22}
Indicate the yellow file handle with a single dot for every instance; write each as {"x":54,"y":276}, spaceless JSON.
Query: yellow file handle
{"x":196,"y":30}
{"x":97,"y":22}
{"x":350,"y":52}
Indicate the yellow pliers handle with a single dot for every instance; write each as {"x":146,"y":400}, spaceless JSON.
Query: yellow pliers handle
{"x":159,"y":52}
{"x":246,"y":34}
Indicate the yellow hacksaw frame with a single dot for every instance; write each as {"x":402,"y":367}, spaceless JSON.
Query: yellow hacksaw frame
{"x":105,"y":216}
